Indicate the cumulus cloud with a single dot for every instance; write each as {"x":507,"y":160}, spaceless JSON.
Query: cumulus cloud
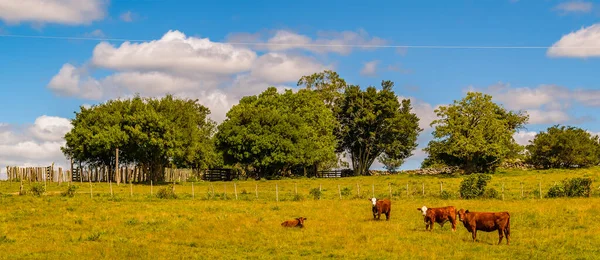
{"x":218,"y":74}
{"x":175,"y":53}
{"x":582,"y":43}
{"x":68,"y":12}
{"x":369,"y":68}
{"x":325,"y":42}
{"x":127,"y":16}
{"x":523,"y":137}
{"x":423,"y":110}
{"x":574,"y":7}
{"x":280,"y":68}
{"x":36,"y":144}
{"x":545,"y":104}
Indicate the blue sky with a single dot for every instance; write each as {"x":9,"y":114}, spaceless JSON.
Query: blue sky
{"x":185,"y":48}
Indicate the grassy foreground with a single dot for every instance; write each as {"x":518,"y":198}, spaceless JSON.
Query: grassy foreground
{"x":207,"y":227}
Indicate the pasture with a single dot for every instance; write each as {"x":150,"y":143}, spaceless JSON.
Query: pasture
{"x":133,"y":224}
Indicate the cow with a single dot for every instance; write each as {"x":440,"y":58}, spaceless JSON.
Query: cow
{"x":381,"y":206}
{"x":298,"y":222}
{"x":438,"y":215}
{"x":487,"y":222}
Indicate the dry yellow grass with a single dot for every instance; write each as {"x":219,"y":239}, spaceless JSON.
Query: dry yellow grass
{"x":124,"y":227}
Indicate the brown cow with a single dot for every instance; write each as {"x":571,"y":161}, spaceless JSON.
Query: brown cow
{"x":438,"y":215}
{"x":298,"y":222}
{"x":381,"y":206}
{"x":487,"y":222}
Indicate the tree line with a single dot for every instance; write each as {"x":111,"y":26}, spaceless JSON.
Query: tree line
{"x":283,"y":133}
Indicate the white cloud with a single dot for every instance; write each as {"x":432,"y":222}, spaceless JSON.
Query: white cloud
{"x":423,"y":110}
{"x":37,"y":144}
{"x":127,"y":16}
{"x":545,"y":104}
{"x":280,"y":68}
{"x":523,"y":137}
{"x":95,"y":34}
{"x":583,"y":43}
{"x":215,"y":73}
{"x":69,"y":12}
{"x":325,"y":42}
{"x":177,"y":54}
{"x":369,"y":68}
{"x":574,"y":7}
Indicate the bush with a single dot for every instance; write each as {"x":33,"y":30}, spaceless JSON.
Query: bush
{"x":474,"y":186}
{"x":446,"y":195}
{"x":491,"y":193}
{"x":346,"y":191}
{"x":167,"y":193}
{"x":70,"y":192}
{"x":38,"y":189}
{"x":574,"y":187}
{"x":316,"y":193}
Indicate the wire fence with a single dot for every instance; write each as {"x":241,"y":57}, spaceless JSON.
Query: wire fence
{"x":287,"y":190}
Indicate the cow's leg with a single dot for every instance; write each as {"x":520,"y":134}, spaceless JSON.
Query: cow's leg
{"x":474,"y":234}
{"x":387,"y":215}
{"x":507,"y":235}
{"x":453,"y":222}
{"x":500,"y":231}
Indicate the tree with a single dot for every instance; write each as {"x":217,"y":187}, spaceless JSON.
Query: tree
{"x":474,"y":133}
{"x":373,"y":123}
{"x":152,"y":133}
{"x":564,"y":147}
{"x":327,"y":84}
{"x":275,"y":133}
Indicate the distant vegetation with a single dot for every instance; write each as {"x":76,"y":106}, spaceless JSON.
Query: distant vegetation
{"x":287,"y":133}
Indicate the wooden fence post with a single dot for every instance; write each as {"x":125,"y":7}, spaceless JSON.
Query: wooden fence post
{"x":521,"y":190}
{"x":296,"y":188}
{"x":256,"y":190}
{"x":423,"y":188}
{"x":111,"y":190}
{"x":340,"y":191}
{"x":151,"y":193}
{"x":390,"y":187}
{"x":357,"y":190}
{"x":441,"y":187}
{"x":407,"y":190}
{"x":503,"y":191}
{"x":320,"y":189}
{"x":540,"y":190}
{"x":234,"y":190}
{"x":225,"y":191}
{"x":373,"y":190}
{"x":193,"y":195}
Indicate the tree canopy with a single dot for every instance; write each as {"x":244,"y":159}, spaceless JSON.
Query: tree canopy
{"x":153,"y":133}
{"x":474,"y":133}
{"x":274,"y":133}
{"x":373,"y":123}
{"x":564,"y":147}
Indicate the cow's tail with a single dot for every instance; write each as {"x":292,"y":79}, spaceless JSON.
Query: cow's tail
{"x":507,"y":230}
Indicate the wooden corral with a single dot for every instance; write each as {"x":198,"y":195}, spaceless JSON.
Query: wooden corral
{"x":334,"y":173}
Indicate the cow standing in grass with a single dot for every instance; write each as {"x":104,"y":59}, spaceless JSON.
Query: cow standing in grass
{"x":381,"y":206}
{"x":298,"y":222}
{"x":438,"y":215}
{"x":487,"y":222}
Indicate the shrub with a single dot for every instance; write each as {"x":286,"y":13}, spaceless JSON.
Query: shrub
{"x":38,"y":189}
{"x":474,"y":186}
{"x":446,"y":195}
{"x":491,"y":193}
{"x":346,"y":191}
{"x":316,"y":193}
{"x":167,"y":193}
{"x":70,"y":192}
{"x":574,"y":187}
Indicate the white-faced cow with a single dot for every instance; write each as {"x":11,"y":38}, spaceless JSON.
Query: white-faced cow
{"x":438,"y":215}
{"x":381,"y":206}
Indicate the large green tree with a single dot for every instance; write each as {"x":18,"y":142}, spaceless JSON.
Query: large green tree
{"x":153,"y":133}
{"x":373,"y":123}
{"x":474,"y":133}
{"x":274,"y":133}
{"x":564,"y":147}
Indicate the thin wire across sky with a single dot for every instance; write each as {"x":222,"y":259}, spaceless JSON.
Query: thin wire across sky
{"x":375,"y":46}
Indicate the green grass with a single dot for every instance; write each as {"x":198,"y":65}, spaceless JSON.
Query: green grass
{"x":207,"y":227}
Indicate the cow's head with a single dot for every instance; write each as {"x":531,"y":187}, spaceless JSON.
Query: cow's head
{"x":301,"y":220}
{"x":462,"y":214}
{"x":374,"y":201}
{"x":423,"y":210}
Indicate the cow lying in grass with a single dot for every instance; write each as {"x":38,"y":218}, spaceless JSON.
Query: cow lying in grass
{"x":438,"y":215}
{"x":487,"y":222}
{"x":381,"y":206}
{"x":298,"y":222}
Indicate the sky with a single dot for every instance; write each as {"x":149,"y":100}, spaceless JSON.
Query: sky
{"x":58,"y":55}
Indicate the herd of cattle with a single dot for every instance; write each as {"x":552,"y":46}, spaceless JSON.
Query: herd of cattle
{"x":473,"y":221}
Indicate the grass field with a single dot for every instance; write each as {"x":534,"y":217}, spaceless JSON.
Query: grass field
{"x":204,"y":226}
